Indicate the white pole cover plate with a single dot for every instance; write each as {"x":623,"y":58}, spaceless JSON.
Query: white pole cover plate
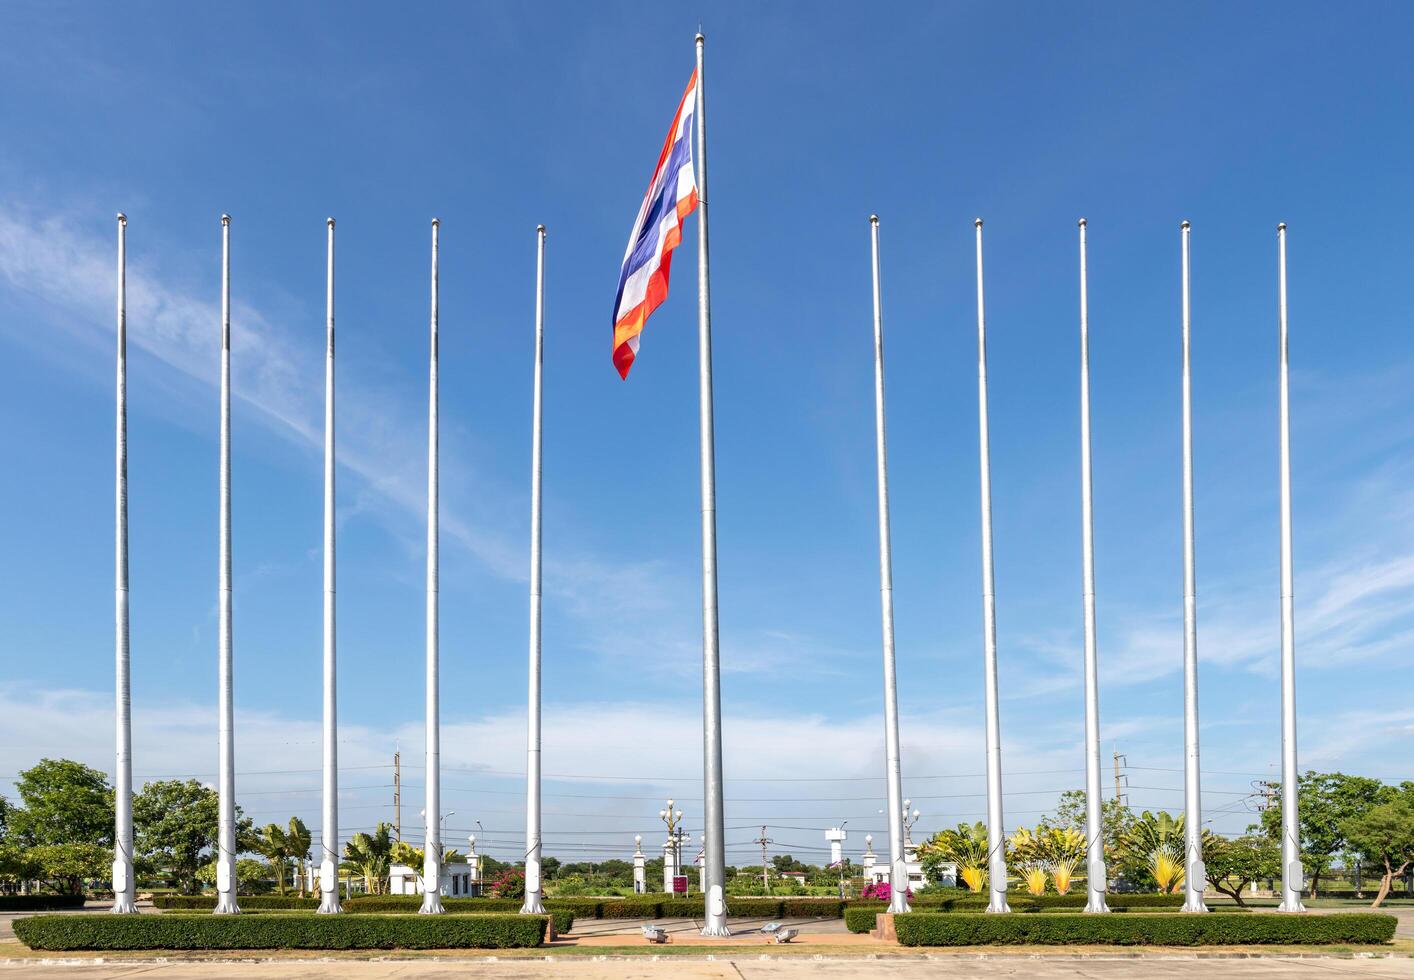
{"x":120,"y":876}
{"x":328,"y":880}
{"x":532,"y":879}
{"x":223,"y":877}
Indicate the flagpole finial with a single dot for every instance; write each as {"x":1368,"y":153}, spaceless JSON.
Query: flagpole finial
{"x":873,"y":219}
{"x":329,"y":222}
{"x":1082,"y":222}
{"x":225,"y":220}
{"x":123,"y":219}
{"x":540,"y":229}
{"x":701,"y":38}
{"x":1281,"y":226}
{"x":978,"y":223}
{"x":436,"y":222}
{"x":1184,"y":225}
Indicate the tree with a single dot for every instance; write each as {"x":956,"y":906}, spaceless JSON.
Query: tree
{"x":297,"y":843}
{"x":1153,"y":849}
{"x":271,"y":844}
{"x":66,"y":866}
{"x":1385,"y":834}
{"x":1326,"y":800}
{"x":550,"y":866}
{"x":965,"y":847}
{"x":1240,"y":860}
{"x":370,"y":855}
{"x":62,"y":802}
{"x":176,"y":825}
{"x":1115,"y":819}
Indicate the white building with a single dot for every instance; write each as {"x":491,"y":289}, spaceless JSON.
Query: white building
{"x":459,"y":880}
{"x":877,"y":872}
{"x":461,"y":877}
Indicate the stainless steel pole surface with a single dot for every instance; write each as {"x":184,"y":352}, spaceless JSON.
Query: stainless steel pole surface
{"x":1095,"y":873}
{"x":1292,"y":876}
{"x":329,"y":833}
{"x":1193,"y":870}
{"x":124,"y":886}
{"x":715,"y":920}
{"x":432,"y":837}
{"x":226,"y":826}
{"x":532,"y":904}
{"x":898,"y":868}
{"x":996,"y":828}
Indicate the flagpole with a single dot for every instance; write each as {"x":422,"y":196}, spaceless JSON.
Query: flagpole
{"x":1096,"y":878}
{"x":532,"y":904}
{"x":898,"y":869}
{"x":715,"y":922}
{"x":1193,"y":870}
{"x":432,"y":836}
{"x":226,"y":825}
{"x":329,"y":834}
{"x":996,"y":829}
{"x":123,"y":884}
{"x":1291,"y":870}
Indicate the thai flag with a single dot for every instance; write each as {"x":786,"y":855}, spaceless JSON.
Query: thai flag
{"x":671,"y":197}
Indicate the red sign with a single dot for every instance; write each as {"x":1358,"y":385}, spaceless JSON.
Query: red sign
{"x":680,"y":885}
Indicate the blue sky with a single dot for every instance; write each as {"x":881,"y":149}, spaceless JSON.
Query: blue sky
{"x":495,"y":118}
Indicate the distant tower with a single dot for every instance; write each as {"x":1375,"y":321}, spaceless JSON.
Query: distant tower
{"x":869,"y":859}
{"x":836,"y":836}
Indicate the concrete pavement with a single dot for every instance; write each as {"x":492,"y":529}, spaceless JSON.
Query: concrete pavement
{"x":744,"y":968}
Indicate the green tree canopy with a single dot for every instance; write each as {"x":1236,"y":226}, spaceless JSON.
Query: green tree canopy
{"x":1231,"y":864}
{"x":1326,"y":801}
{"x":62,"y":802}
{"x":1384,"y":834}
{"x":176,"y":823}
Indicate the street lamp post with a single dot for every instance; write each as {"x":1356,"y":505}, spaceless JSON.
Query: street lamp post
{"x":673,"y":819}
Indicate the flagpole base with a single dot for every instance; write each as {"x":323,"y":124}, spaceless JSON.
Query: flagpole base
{"x":431,"y":904}
{"x":123,"y":905}
{"x":226,"y":905}
{"x":1096,"y":904}
{"x":329,"y":904}
{"x":533,"y":905}
{"x":1293,"y":906}
{"x":716,"y":930}
{"x":1194,"y":906}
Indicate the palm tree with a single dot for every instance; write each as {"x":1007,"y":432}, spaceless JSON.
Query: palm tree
{"x":273,"y":845}
{"x":297,"y":844}
{"x":369,"y":854}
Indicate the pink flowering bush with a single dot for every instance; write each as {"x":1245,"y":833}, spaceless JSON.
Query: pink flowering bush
{"x":882,"y":892}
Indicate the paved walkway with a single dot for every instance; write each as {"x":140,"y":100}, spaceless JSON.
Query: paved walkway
{"x":744,"y":968}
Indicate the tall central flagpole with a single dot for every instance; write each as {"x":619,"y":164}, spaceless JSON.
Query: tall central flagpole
{"x":226,"y":826}
{"x":898,"y":868}
{"x":996,"y":829}
{"x":532,"y":904}
{"x":329,"y":833}
{"x":432,"y":836}
{"x":123,"y":884}
{"x":1291,"y":870}
{"x":715,"y":922}
{"x":1095,"y":875}
{"x":1193,"y":871}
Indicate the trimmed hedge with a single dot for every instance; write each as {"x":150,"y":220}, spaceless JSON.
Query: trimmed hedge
{"x":208,"y":902}
{"x":815,"y":908}
{"x":858,"y":918}
{"x":1143,"y":929}
{"x":105,"y":932}
{"x":39,"y":903}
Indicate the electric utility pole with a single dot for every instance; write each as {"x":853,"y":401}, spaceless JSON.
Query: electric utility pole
{"x":397,"y":794}
{"x":763,"y":840}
